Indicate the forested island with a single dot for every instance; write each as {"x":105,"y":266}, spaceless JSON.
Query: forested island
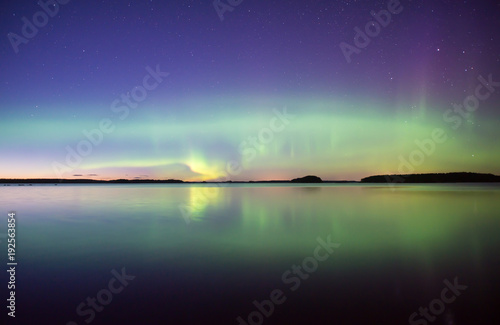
{"x":434,"y":178}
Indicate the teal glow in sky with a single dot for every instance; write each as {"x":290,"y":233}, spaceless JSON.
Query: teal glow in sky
{"x":333,"y":139}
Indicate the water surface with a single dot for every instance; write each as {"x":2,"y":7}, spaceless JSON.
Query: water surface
{"x":203,"y":254}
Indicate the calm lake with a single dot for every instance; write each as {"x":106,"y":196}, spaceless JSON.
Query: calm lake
{"x":254,"y":254}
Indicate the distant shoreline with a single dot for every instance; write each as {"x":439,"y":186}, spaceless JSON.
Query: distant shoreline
{"x":147,"y":181}
{"x":463,"y":177}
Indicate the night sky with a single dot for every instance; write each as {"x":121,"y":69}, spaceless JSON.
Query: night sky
{"x":250,"y":90}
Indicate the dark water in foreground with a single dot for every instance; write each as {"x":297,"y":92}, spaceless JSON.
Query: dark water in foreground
{"x":391,"y":251}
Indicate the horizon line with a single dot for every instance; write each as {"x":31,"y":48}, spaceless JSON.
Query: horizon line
{"x":174,"y":180}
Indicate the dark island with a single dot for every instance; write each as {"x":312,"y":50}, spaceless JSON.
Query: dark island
{"x":434,"y":178}
{"x":307,"y":179}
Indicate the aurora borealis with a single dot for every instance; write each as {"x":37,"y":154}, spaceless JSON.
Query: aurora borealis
{"x":267,"y":89}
